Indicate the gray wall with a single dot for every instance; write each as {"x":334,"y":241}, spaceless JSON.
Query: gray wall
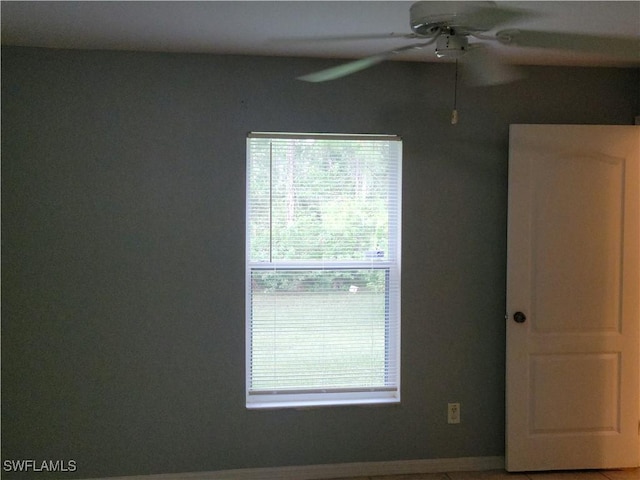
{"x":123,"y":254}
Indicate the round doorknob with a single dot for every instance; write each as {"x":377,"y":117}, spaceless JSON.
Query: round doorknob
{"x":519,"y":317}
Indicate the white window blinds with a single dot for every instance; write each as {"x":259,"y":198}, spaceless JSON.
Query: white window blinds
{"x":323,"y":269}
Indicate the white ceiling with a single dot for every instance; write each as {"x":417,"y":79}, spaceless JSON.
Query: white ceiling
{"x":259,"y":28}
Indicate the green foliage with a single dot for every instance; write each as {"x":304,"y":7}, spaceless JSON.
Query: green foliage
{"x":320,"y":216}
{"x":336,"y":280}
{"x":318,"y":199}
{"x":322,"y":341}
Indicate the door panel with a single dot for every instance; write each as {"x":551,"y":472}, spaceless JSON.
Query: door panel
{"x":590,"y":388}
{"x":572,"y":269}
{"x":577,"y":243}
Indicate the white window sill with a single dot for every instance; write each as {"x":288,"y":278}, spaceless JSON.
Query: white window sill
{"x":301,"y":403}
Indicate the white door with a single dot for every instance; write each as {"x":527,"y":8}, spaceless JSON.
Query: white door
{"x":572,"y":382}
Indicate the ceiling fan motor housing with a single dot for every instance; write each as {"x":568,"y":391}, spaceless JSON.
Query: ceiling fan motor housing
{"x":427,"y":18}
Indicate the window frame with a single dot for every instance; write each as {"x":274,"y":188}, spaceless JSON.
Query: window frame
{"x":318,"y":397}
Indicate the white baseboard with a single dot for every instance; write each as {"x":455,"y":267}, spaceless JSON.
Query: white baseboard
{"x":318,"y":472}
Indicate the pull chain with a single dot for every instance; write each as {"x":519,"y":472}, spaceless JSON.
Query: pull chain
{"x":454,"y":113}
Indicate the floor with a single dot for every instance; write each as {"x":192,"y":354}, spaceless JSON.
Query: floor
{"x":626,"y":474}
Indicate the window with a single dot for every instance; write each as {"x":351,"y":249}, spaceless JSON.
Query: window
{"x":323,"y":269}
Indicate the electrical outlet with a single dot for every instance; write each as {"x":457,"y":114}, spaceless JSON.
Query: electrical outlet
{"x":453,"y":413}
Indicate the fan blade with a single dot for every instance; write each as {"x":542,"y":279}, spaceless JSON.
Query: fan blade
{"x":343,"y":38}
{"x":483,"y":67}
{"x":612,"y":46}
{"x":345,"y":69}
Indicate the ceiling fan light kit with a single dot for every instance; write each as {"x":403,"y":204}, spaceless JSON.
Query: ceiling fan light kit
{"x":451,"y":46}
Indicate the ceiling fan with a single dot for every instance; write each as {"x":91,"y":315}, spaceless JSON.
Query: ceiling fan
{"x":458,"y":30}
